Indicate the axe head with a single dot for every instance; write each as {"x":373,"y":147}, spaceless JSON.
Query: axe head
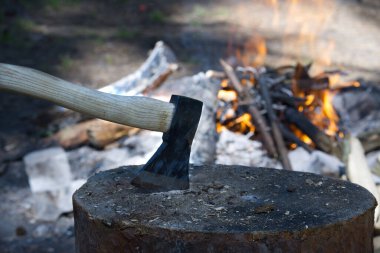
{"x":168,"y":169}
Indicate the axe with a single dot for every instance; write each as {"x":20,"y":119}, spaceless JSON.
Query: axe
{"x":168,"y":169}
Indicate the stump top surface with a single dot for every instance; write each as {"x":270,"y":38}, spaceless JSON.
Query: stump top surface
{"x":225,"y":199}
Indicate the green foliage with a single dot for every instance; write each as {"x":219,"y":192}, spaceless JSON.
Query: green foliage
{"x":25,"y":24}
{"x":199,"y":12}
{"x":66,"y":62}
{"x":125,"y":33}
{"x":57,"y":4}
{"x":157,"y":16}
{"x":197,"y":15}
{"x":14,"y":32}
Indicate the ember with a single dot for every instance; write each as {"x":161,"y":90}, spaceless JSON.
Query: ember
{"x":301,"y":103}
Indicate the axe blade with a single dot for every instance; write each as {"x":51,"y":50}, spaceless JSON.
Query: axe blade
{"x":168,"y":168}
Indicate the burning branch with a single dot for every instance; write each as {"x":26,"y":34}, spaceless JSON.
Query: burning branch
{"x":280,"y":144}
{"x":297,"y":107}
{"x":257,"y":119}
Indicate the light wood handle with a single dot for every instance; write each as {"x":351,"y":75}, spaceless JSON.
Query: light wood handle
{"x":140,"y":112}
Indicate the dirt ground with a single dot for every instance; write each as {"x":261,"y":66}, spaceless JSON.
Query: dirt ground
{"x":94,"y":43}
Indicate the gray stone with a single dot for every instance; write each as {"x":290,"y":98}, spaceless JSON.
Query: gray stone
{"x":50,"y":180}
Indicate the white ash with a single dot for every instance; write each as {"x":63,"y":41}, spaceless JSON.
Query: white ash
{"x":237,"y":149}
{"x":316,"y":162}
{"x":359,"y":109}
{"x":47,"y":169}
{"x":160,"y":60}
{"x":205,"y":89}
{"x":51,"y":183}
{"x":373,"y":161}
{"x":133,"y":150}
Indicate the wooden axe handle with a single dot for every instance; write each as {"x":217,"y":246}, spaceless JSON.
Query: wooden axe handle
{"x":140,"y":112}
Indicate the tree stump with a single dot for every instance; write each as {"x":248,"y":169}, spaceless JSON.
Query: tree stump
{"x":226,"y":209}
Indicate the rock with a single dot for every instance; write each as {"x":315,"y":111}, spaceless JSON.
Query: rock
{"x":317,"y":162}
{"x":47,"y":169}
{"x":376,"y":244}
{"x":50,"y":180}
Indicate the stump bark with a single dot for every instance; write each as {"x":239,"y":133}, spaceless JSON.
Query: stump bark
{"x":226,"y":209}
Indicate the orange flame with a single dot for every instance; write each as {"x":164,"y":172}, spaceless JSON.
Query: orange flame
{"x":242,"y":124}
{"x":227,"y":95}
{"x":254,"y":53}
{"x":329,"y":112}
{"x":303,"y":27}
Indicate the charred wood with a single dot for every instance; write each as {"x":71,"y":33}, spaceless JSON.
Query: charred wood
{"x":286,"y":99}
{"x":321,"y":140}
{"x":277,"y":136}
{"x":370,"y":140}
{"x":257,"y":118}
{"x":291,"y":137}
{"x":259,"y":121}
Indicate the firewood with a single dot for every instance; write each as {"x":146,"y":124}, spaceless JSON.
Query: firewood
{"x":359,"y":173}
{"x":274,"y":123}
{"x":260,"y":123}
{"x":303,"y":82}
{"x":370,"y":140}
{"x":96,"y":132}
{"x":159,"y":65}
{"x":232,"y":76}
{"x":107,"y":132}
{"x":286,"y":99}
{"x":161,"y":78}
{"x":290,"y":136}
{"x":257,"y":118}
{"x":321,"y":140}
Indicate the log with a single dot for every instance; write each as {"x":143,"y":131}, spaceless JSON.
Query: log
{"x":161,"y":78}
{"x":159,"y":65}
{"x":370,"y":139}
{"x":359,"y":173}
{"x":103,"y":134}
{"x":321,"y":140}
{"x":96,"y":132}
{"x":291,"y":137}
{"x":227,"y":209}
{"x":286,"y":99}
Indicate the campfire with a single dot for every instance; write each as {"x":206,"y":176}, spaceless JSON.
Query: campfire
{"x":282,"y":107}
{"x":291,"y":105}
